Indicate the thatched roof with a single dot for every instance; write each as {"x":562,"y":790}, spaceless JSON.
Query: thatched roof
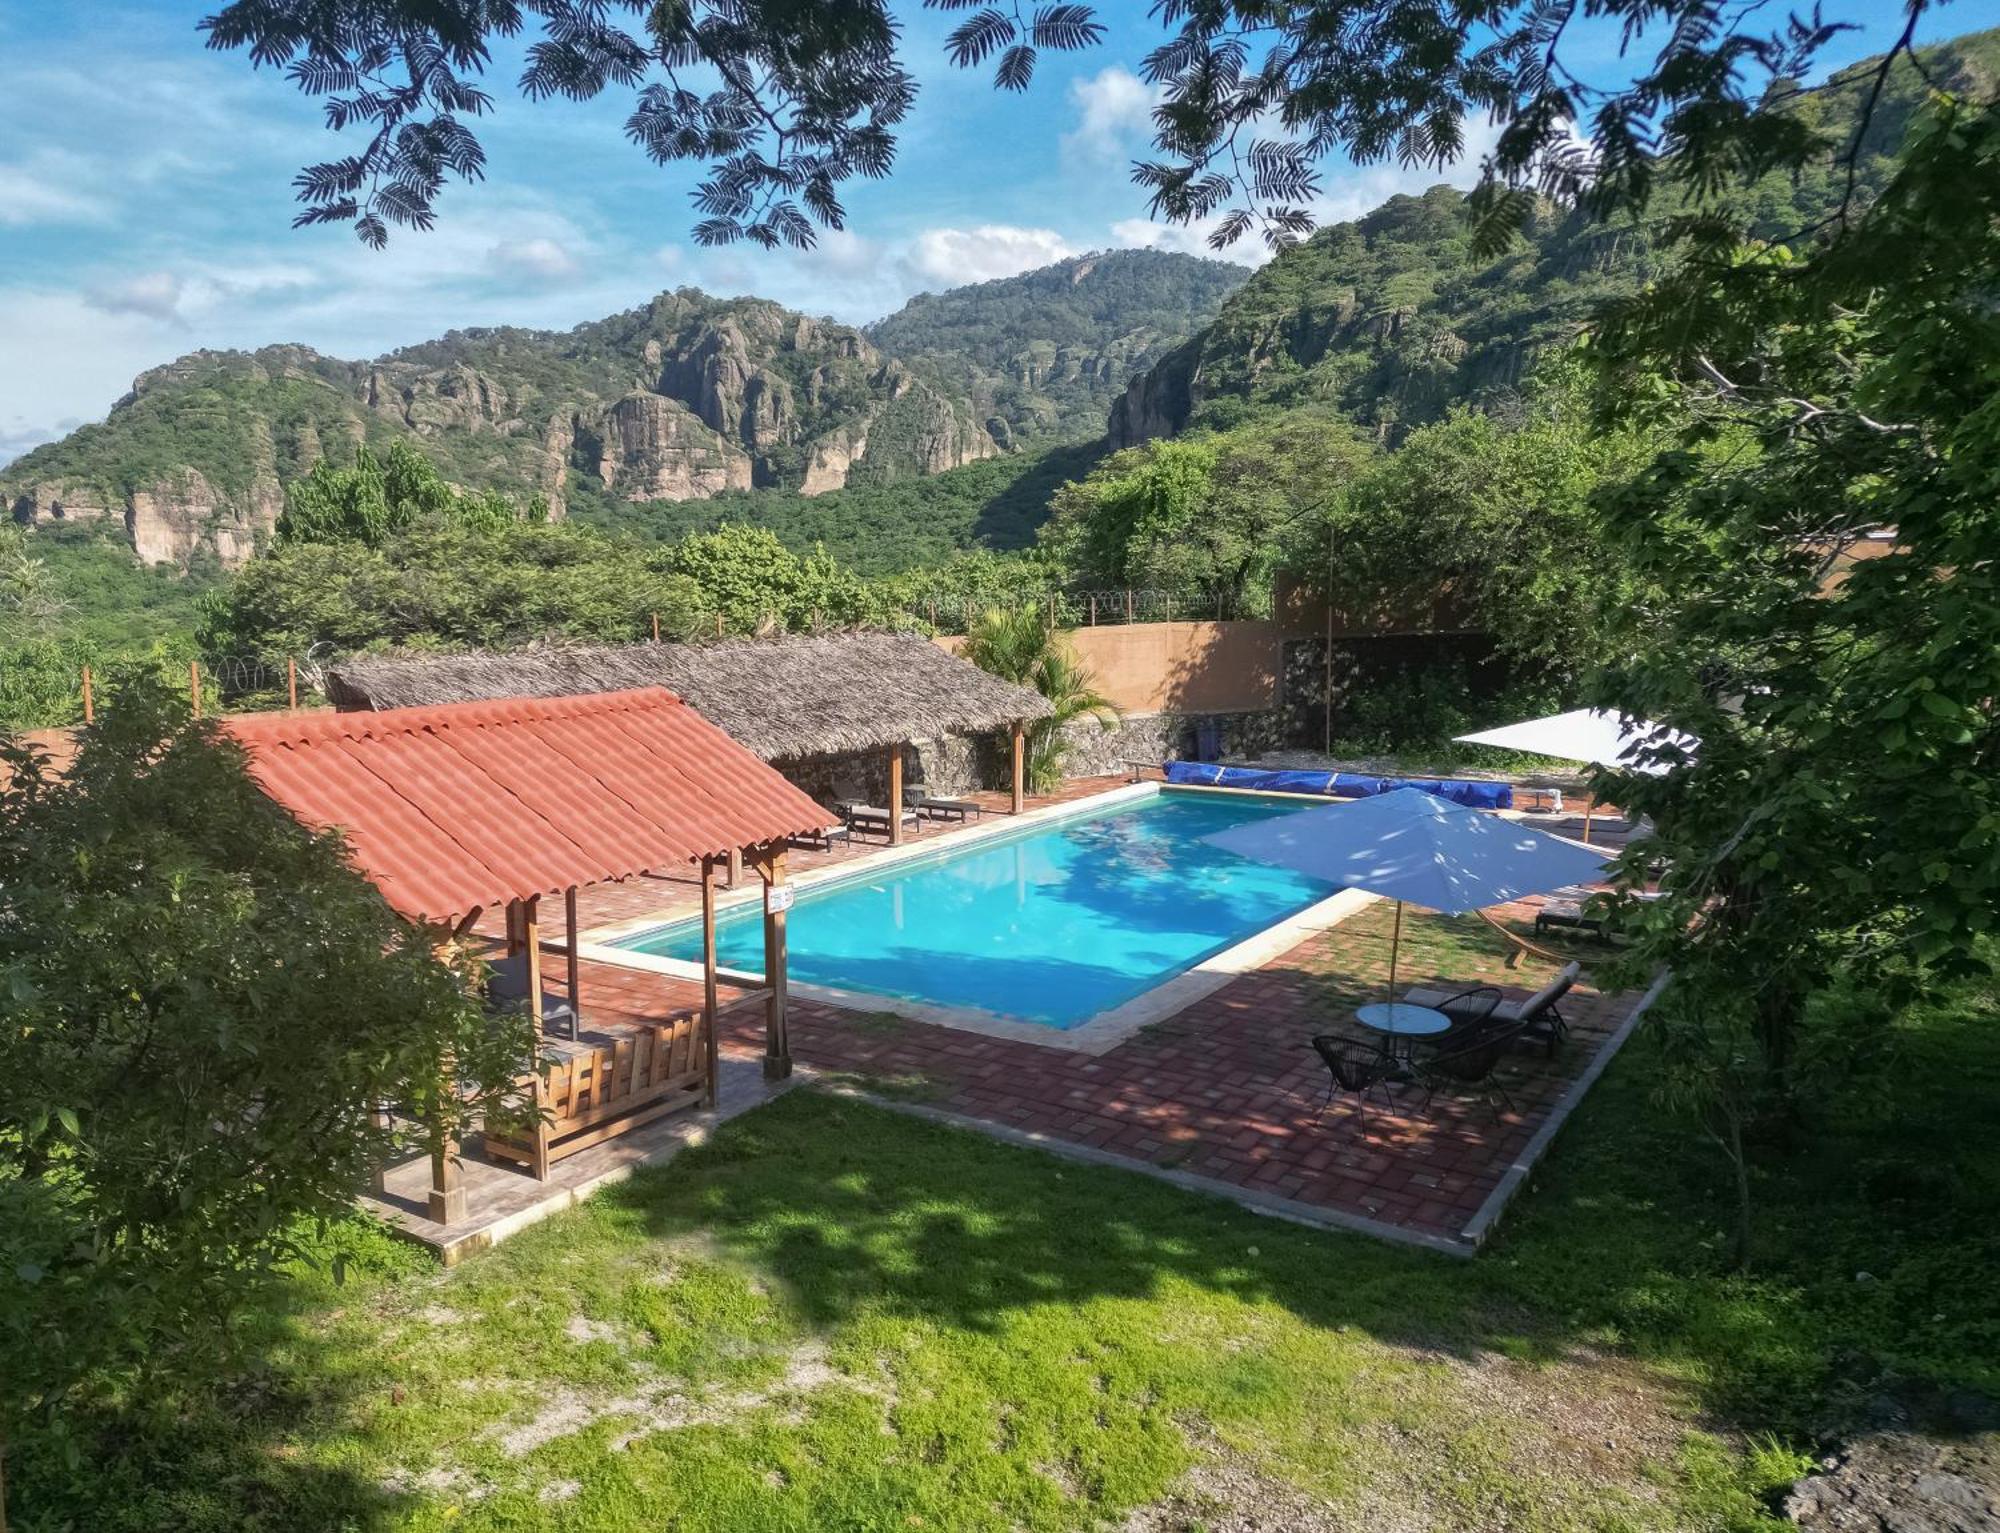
{"x":786,"y":697}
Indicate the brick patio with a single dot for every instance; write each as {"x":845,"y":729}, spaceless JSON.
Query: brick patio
{"x":1225,"y":1094}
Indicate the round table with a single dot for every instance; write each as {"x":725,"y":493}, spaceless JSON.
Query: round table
{"x":1401,"y":1020}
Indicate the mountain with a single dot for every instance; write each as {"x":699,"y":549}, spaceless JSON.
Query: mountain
{"x":1042,"y":355}
{"x":1390,"y":321}
{"x":684,"y":398}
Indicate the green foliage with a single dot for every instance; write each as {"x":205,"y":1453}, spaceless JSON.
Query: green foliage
{"x":1840,"y":815}
{"x":372,"y":500}
{"x":878,"y":529}
{"x":751,"y":580}
{"x":1024,"y":646}
{"x":452,"y":586}
{"x":204,"y":1006}
{"x":1210,"y":516}
{"x":1415,"y":714}
{"x":1491,"y":518}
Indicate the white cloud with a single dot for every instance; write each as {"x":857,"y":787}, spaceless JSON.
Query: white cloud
{"x":1114,"y":109}
{"x":540,"y":257}
{"x":954,"y":257}
{"x":153,"y":294}
{"x":42,"y":189}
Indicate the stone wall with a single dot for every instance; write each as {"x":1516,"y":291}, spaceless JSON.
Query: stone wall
{"x":1095,"y":752}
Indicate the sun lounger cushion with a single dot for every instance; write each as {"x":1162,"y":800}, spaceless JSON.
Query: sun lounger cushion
{"x":1476,"y":795}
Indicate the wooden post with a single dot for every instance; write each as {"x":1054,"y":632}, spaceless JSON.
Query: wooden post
{"x":569,"y":926}
{"x":1020,"y":768}
{"x":718,"y":625}
{"x":1093,"y":609}
{"x":1328,"y":709}
{"x":708,"y":1001}
{"x":1128,"y":604}
{"x":735,"y":866}
{"x":896,"y":795}
{"x":513,"y":927}
{"x":194,"y":685}
{"x":777,"y":1037}
{"x":89,"y":713}
{"x":291,"y":684}
{"x":446,"y":1204}
{"x":656,"y":627}
{"x":531,"y":937}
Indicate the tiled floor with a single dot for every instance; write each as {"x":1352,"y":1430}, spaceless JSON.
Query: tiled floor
{"x":1227,"y":1091}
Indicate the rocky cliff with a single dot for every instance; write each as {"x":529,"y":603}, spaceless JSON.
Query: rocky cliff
{"x":1043,"y":355}
{"x":682,"y":399}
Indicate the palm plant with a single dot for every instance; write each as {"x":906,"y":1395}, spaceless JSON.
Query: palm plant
{"x":1024,"y":646}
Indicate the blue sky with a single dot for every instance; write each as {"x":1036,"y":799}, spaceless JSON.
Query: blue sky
{"x":145,"y":202}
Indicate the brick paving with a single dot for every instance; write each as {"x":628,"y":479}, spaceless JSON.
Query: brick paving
{"x":1228,"y":1090}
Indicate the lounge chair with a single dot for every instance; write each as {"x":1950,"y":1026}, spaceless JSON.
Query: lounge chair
{"x":507,"y":986}
{"x":1537,"y":1015}
{"x":929,"y":808}
{"x":872,"y":819}
{"x":1357,"y":1069}
{"x":822,"y":840}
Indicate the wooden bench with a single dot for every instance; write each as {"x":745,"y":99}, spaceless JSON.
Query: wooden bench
{"x":597,"y":1094}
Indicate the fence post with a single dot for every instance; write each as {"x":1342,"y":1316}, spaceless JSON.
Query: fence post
{"x":194,"y":684}
{"x":1128,"y":604}
{"x":718,"y":625}
{"x":89,"y":714}
{"x":933,"y":607}
{"x":291,"y":683}
{"x":1093,"y":609}
{"x":656,"y":627}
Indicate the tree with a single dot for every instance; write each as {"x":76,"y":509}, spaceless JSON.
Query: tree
{"x":789,"y":99}
{"x":453,"y":586}
{"x":1023,"y":646}
{"x":1841,"y":816}
{"x":1497,"y":509}
{"x":204,"y":1005}
{"x":372,"y":501}
{"x":749,"y":579}
{"x":1208,"y":517}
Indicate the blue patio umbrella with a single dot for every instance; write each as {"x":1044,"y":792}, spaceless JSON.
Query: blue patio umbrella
{"x":1413,"y":846}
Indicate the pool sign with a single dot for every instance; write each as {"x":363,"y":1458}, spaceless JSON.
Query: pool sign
{"x":781,"y":898}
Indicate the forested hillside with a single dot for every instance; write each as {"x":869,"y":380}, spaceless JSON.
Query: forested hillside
{"x":684,"y":399}
{"x":1044,"y":354}
{"x":1390,"y":320}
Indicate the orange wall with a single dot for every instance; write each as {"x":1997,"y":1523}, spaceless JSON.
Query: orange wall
{"x":1181,"y":667}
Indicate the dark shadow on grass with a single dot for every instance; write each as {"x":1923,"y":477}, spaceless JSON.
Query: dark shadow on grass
{"x":219,"y":1457}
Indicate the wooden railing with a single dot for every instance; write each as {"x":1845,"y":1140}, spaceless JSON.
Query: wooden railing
{"x":597,"y":1094}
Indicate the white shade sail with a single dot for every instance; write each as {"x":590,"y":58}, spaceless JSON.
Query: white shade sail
{"x":1597,"y":736}
{"x":1414,"y":846}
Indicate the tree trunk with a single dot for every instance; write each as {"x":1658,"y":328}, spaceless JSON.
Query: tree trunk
{"x":1740,"y":1246}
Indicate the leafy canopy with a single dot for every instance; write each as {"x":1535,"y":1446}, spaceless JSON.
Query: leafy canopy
{"x":371,"y":500}
{"x":203,"y":1007}
{"x":786,"y":100}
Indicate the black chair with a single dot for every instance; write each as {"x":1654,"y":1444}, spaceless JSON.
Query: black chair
{"x":1469,"y":1010}
{"x":1471,"y":1061}
{"x":1357,"y":1069}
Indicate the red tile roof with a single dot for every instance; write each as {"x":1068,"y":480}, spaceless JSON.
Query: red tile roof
{"x":472,"y":804}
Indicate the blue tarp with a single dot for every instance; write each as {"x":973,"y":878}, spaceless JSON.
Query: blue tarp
{"x":1474,"y":795}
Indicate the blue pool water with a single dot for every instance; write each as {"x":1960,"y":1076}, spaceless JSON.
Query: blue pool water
{"x":1051,"y":926}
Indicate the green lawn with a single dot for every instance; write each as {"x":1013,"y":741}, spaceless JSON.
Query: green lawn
{"x":835,"y":1317}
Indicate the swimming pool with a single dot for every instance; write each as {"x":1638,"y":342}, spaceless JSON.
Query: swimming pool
{"x":1051,"y":926}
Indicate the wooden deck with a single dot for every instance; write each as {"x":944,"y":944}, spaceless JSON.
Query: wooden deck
{"x":502,"y":1200}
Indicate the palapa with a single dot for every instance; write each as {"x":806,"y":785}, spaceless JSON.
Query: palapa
{"x":785,"y":698}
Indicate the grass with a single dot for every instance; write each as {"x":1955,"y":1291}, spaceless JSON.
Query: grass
{"x":836,"y":1318}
